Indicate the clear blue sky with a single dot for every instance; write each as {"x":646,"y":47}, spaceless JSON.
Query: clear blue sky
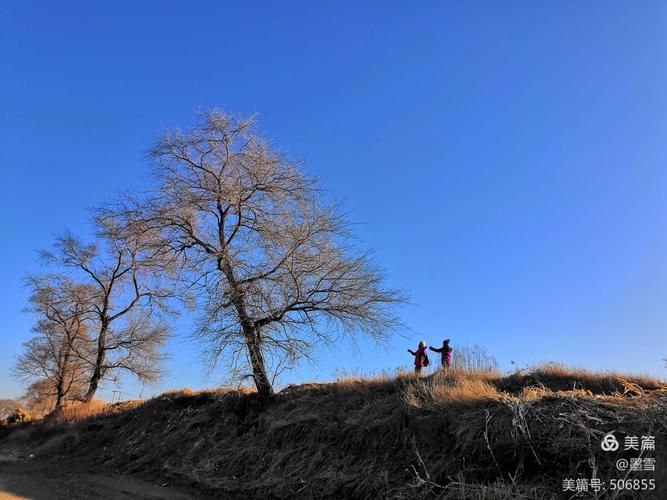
{"x":507,"y":160}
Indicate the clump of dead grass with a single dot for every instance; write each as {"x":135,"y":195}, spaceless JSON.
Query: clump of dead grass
{"x":559,"y":377}
{"x":451,"y":388}
{"x":76,"y":411}
{"x":19,"y":415}
{"x":356,"y":379}
{"x":535,"y":429}
{"x":176,"y":393}
{"x":205,"y":394}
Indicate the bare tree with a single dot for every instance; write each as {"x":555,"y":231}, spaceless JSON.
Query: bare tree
{"x":126,"y":303}
{"x":56,"y":356}
{"x":271,"y":266}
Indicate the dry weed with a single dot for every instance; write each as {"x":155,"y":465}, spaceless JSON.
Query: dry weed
{"x":74,"y":412}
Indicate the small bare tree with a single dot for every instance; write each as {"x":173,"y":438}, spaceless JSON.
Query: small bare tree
{"x":56,"y":357}
{"x":270,"y":264}
{"x":126,"y":303}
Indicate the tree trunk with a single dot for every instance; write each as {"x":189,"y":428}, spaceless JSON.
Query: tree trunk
{"x":250,"y":331}
{"x":63,"y":361}
{"x":99,"y":363}
{"x":262,"y":382}
{"x":59,"y":395}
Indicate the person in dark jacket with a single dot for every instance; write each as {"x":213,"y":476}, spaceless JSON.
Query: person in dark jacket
{"x":445,"y":354}
{"x":421,"y":357}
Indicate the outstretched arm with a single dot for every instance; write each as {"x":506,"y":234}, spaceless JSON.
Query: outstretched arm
{"x":412,"y":352}
{"x":435,"y":349}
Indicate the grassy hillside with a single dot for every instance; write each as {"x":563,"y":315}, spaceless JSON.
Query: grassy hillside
{"x":460,"y":435}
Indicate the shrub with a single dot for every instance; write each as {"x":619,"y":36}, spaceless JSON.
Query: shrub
{"x":17,"y":416}
{"x":474,"y":358}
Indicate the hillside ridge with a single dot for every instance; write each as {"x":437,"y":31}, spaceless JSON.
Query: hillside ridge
{"x":457,"y":435}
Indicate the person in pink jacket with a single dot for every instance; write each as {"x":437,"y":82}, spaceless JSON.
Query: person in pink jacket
{"x":421,"y":357}
{"x":445,"y":354}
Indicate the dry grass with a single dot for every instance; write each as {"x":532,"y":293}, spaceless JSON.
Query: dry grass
{"x":203,"y":395}
{"x":558,"y":377}
{"x":74,"y":412}
{"x":455,"y":434}
{"x":453,"y":388}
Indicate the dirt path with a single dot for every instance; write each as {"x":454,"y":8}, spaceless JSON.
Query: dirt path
{"x":25,"y":479}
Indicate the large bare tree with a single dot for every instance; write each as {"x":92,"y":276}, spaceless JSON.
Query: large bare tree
{"x":56,"y":357}
{"x":126,"y":303}
{"x":271,"y":265}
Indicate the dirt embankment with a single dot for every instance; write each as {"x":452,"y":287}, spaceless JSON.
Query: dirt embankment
{"x":458,"y":436}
